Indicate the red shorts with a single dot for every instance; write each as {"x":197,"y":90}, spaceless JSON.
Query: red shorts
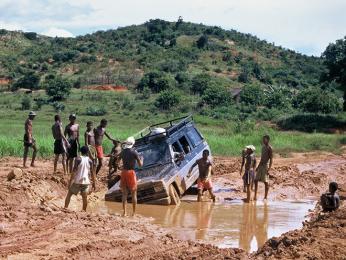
{"x":128,"y":180}
{"x":99,"y":151}
{"x":204,"y":185}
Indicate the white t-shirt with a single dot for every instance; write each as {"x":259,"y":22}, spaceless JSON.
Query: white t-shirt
{"x":83,"y":170}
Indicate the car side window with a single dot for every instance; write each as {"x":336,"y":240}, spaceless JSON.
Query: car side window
{"x":194,"y":136}
{"x":185,"y":144}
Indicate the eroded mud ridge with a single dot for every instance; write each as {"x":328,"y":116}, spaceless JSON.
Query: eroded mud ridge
{"x":33,"y":224}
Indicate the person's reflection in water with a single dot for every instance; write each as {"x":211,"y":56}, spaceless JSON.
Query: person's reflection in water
{"x":254,"y":224}
{"x":261,"y":231}
{"x":204,"y":212}
{"x":247,"y":227}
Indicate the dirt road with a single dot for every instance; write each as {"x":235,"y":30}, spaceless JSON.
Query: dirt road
{"x":33,"y":224}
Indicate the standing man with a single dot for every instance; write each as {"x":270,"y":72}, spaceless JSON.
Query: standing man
{"x":72,"y":131}
{"x":204,"y":178}
{"x":128,"y":181}
{"x":29,"y":140}
{"x":99,"y":132}
{"x":263,"y":170}
{"x":79,"y":181}
{"x":249,"y":160}
{"x":60,"y":143}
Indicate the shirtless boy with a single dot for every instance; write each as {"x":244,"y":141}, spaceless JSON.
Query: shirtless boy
{"x":29,"y":141}
{"x":72,"y":132}
{"x":99,"y":132}
{"x":262,"y":171}
{"x":60,"y":143}
{"x":204,"y":178}
{"x":249,"y":161}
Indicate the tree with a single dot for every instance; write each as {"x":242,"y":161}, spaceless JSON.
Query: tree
{"x":58,"y":88}
{"x":278,"y":97}
{"x":26,"y":103}
{"x":252,"y":95}
{"x":157,"y":81}
{"x":335,"y":60}
{"x":315,"y":100}
{"x":167,"y":100}
{"x":30,"y":80}
{"x":217,"y":96}
{"x":200,"y":83}
{"x":202,"y":41}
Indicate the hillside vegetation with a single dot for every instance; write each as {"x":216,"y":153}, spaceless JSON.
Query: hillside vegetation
{"x":232,"y":82}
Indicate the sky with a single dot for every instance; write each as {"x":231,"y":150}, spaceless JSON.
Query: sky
{"x":306,"y":26}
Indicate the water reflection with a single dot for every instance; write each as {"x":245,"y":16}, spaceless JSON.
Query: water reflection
{"x":254,"y":226}
{"x":235,"y":224}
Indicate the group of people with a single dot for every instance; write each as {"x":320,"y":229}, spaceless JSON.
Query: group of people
{"x":89,"y":163}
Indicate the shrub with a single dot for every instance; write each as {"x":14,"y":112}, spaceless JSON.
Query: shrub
{"x":156,"y":81}
{"x":217,"y":96}
{"x":278,"y":97}
{"x":200,"y":83}
{"x":310,"y":122}
{"x":315,"y":100}
{"x":252,"y":95}
{"x":96,"y":111}
{"x":167,"y":100}
{"x":58,"y":107}
{"x":202,"y":41}
{"x":30,"y":80}
{"x":58,"y":88}
{"x":26,"y":103}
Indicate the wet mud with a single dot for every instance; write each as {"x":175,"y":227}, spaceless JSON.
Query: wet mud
{"x":33,"y":224}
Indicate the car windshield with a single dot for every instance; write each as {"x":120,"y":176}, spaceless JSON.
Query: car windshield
{"x":154,"y":154}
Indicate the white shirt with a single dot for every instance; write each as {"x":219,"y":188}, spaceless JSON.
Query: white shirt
{"x":82,"y":175}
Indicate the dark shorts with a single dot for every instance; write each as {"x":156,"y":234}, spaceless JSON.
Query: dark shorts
{"x":79,"y":188}
{"x":72,"y":152}
{"x":26,"y":141}
{"x":59,"y":147}
{"x":248,"y":177}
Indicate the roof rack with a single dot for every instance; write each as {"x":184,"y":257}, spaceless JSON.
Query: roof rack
{"x":170,"y":127}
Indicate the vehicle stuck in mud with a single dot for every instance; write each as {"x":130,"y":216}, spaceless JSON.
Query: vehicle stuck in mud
{"x":168,"y":150}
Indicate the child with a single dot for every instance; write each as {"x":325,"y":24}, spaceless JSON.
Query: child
{"x":113,"y":164}
{"x":80,"y":181}
{"x":204,"y":178}
{"x":330,"y":200}
{"x":249,"y":160}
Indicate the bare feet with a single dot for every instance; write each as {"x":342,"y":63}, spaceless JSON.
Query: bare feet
{"x":33,"y":165}
{"x":214,"y":198}
{"x":124,"y":214}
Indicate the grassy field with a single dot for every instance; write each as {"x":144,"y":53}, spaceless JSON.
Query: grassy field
{"x":127,"y":115}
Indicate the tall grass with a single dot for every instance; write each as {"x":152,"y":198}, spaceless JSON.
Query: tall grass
{"x":224,"y":137}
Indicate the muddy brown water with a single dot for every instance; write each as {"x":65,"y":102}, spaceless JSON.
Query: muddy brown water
{"x":224,"y":224}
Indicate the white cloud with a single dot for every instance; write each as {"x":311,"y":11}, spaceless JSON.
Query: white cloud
{"x":11,"y":26}
{"x":53,"y":32}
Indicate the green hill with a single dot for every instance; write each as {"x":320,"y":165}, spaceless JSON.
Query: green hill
{"x":124,"y":54}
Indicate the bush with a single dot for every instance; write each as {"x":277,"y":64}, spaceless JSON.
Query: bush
{"x":30,"y":80}
{"x":167,"y":100}
{"x":217,"y":96}
{"x":315,"y":100}
{"x":310,"y":122}
{"x":200,"y":83}
{"x":278,"y":97}
{"x":58,"y":107}
{"x":202,"y":41}
{"x":252,"y":95}
{"x":26,"y":103}
{"x":58,"y":88}
{"x":156,"y":81}
{"x":96,"y":111}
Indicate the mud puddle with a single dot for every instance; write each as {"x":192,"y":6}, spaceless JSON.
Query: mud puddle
{"x":226,"y":224}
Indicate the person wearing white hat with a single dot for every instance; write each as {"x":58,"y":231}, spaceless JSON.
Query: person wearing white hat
{"x":128,"y":181}
{"x":29,"y":141}
{"x":249,"y":161}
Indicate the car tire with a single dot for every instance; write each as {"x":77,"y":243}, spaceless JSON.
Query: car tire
{"x":175,"y":198}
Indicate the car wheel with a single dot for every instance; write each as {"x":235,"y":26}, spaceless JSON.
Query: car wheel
{"x":175,"y":199}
